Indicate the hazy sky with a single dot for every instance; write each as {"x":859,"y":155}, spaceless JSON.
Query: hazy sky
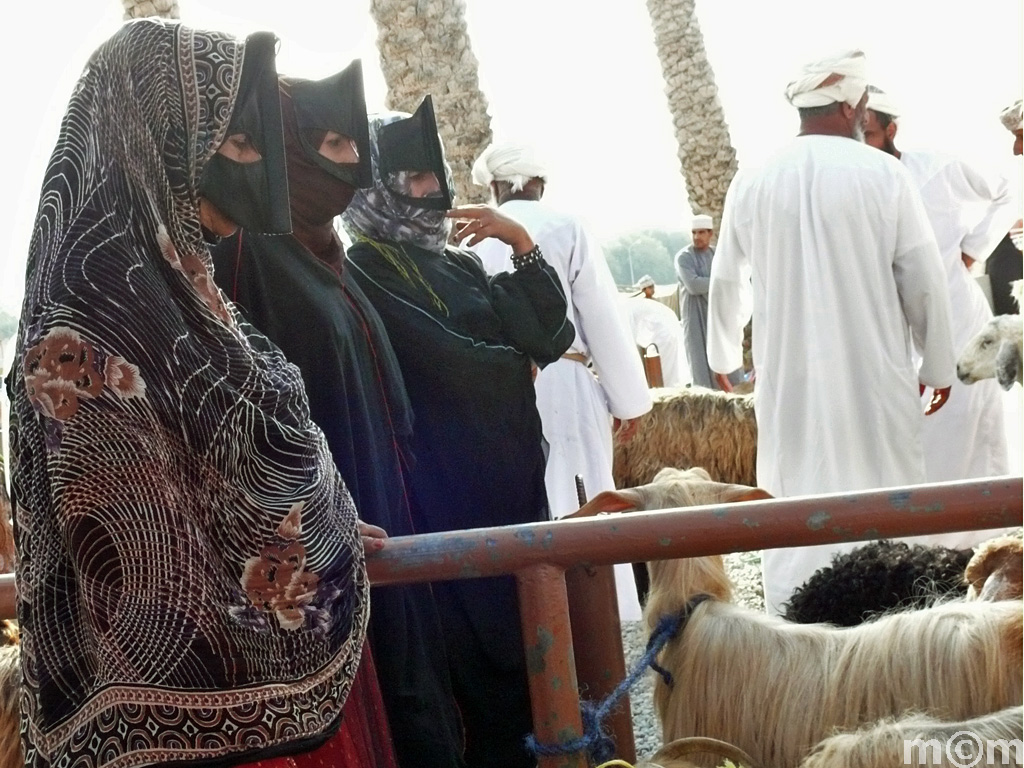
{"x":580,"y":79}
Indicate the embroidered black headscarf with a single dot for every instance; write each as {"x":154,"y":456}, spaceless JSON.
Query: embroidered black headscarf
{"x":190,"y":576}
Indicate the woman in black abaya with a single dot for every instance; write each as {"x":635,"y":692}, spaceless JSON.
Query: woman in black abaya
{"x":297,"y":290}
{"x":466,"y":345}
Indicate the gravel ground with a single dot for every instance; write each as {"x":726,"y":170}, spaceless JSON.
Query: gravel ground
{"x":745,"y":571}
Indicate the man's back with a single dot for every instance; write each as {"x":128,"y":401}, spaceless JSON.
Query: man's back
{"x":844,"y":271}
{"x":820,"y":219}
{"x":841,"y":258}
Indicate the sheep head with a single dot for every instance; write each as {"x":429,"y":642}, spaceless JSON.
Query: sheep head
{"x":978,"y":359}
{"x":674,"y":582}
{"x":996,"y":571}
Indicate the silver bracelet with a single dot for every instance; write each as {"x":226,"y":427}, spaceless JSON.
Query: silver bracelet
{"x":532,"y":256}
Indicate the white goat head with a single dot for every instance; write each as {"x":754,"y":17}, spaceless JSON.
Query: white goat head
{"x":978,"y":359}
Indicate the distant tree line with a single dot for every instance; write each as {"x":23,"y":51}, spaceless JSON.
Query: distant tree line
{"x":8,"y":326}
{"x":645,"y":252}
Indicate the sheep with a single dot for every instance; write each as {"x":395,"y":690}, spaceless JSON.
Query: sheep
{"x":921,"y":740}
{"x":691,"y":427}
{"x":996,"y":570}
{"x":878,"y":577}
{"x":995,"y":351}
{"x":978,"y":359}
{"x":775,"y":689}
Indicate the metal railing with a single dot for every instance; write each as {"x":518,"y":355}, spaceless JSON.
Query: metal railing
{"x":539,"y":555}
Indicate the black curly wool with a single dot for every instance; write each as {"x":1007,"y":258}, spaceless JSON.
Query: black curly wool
{"x":879,"y":577}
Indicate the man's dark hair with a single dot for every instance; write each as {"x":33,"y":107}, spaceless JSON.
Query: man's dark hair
{"x":883,"y":119}
{"x":822,"y":111}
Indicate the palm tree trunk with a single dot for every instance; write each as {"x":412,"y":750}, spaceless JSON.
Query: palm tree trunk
{"x":706,"y":154}
{"x":140,"y":9}
{"x":425,"y":49}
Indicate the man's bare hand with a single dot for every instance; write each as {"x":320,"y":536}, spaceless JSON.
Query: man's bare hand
{"x":624,"y":431}
{"x":723,"y":382}
{"x":478,"y":222}
{"x":939,"y":398}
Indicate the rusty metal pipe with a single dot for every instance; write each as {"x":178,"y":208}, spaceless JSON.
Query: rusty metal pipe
{"x":554,"y":698}
{"x":597,"y":647}
{"x":8,"y":597}
{"x":603,"y":540}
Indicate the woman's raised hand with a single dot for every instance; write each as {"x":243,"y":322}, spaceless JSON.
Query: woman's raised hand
{"x":478,"y":222}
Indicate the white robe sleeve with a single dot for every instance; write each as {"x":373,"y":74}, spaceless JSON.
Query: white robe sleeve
{"x":730,"y":294}
{"x":991,"y":195}
{"x":611,"y":347}
{"x":923,"y":288}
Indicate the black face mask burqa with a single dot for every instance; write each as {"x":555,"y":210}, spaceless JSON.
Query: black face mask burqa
{"x":336,"y":103}
{"x":412,"y":144}
{"x":254,"y":195}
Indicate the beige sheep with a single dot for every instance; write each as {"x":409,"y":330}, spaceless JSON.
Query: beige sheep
{"x":776,"y":689}
{"x":926,"y":741}
{"x":691,"y":427}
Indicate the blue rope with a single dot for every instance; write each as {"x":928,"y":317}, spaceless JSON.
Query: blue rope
{"x":595,"y":741}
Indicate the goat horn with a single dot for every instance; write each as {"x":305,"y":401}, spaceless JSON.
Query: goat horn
{"x":690,"y":745}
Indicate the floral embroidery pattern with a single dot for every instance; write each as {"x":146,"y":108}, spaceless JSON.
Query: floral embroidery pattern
{"x":276,"y":581}
{"x":62,"y":369}
{"x":123,"y":377}
{"x":197,"y":273}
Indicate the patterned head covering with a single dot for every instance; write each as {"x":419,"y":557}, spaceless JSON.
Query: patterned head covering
{"x":388,"y":211}
{"x":190,"y":576}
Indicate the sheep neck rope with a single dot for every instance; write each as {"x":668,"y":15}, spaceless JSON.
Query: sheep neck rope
{"x":597,"y":743}
{"x":670,"y":627}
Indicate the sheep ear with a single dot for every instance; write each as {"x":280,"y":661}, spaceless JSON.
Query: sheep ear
{"x":752,"y":494}
{"x":606,"y":501}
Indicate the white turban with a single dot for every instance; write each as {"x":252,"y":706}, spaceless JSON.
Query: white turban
{"x":880,"y":101}
{"x":701,"y":221}
{"x":645,"y":282}
{"x":837,"y":78}
{"x":514,"y":163}
{"x":1013,"y":116}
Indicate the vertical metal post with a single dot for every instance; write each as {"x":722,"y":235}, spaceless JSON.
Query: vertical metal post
{"x":597,"y":646}
{"x":597,"y":640}
{"x":544,"y":612}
